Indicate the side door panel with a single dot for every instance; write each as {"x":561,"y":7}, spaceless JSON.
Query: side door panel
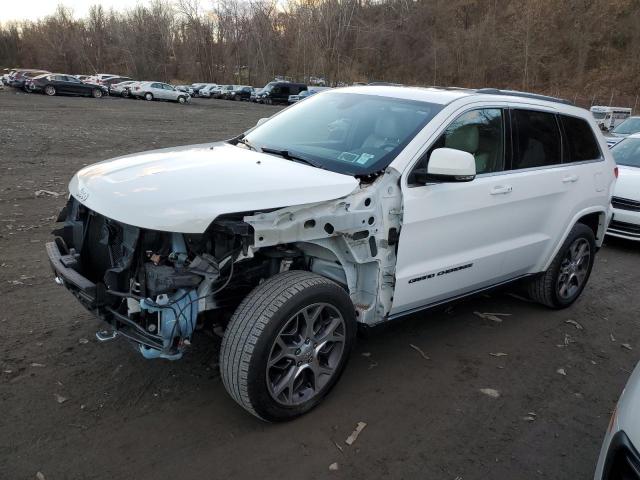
{"x":540,"y":185}
{"x":451,"y":240}
{"x":461,"y":237}
{"x":59,"y":81}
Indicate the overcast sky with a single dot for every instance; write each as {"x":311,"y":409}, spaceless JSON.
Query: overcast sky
{"x":34,"y":9}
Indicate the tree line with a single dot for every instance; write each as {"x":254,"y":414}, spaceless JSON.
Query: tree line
{"x":585,"y":50}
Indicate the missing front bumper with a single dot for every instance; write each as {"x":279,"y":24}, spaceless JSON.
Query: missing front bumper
{"x":95,"y":298}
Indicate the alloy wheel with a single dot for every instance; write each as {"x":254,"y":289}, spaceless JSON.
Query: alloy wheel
{"x":574,"y":268}
{"x":306,"y":354}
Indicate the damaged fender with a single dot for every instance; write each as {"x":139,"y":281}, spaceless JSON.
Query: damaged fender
{"x":359,"y":232}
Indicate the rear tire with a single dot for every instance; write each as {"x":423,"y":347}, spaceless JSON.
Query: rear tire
{"x":562,"y":283}
{"x":287,"y":344}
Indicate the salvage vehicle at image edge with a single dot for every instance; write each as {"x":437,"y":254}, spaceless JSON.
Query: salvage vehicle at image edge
{"x":355,"y":206}
{"x":626,"y":195}
{"x":619,"y":456}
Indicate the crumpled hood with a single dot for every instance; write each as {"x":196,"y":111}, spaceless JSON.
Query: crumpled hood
{"x":184,"y":189}
{"x":628,"y":183}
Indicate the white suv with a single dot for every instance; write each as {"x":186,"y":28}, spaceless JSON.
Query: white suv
{"x":356,"y":206}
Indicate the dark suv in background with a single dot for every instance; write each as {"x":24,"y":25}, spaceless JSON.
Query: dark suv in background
{"x":278,"y":92}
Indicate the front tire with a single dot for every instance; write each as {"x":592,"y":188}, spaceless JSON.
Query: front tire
{"x":50,"y":90}
{"x":96,"y":93}
{"x":148,"y":96}
{"x":562,"y":283}
{"x":287,"y":344}
{"x":182,"y":100}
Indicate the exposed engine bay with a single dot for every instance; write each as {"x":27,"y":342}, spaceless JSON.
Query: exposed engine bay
{"x":156,"y":288}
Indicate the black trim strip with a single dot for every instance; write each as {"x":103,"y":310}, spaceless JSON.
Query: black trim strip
{"x":428,"y":306}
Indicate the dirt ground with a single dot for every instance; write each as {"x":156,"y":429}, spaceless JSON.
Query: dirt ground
{"x":124,"y":417}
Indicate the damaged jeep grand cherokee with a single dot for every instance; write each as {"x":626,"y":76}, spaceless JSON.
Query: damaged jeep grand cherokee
{"x":358,"y":205}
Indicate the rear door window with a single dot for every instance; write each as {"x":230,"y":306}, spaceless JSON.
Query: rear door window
{"x":537,"y":140}
{"x":580,"y":141}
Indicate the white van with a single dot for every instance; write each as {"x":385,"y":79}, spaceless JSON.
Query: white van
{"x":609,"y":117}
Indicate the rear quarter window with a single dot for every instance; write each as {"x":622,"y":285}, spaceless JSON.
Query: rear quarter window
{"x":581,"y":141}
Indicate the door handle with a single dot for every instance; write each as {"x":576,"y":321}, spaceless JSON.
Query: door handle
{"x":570,"y":179}
{"x":501,"y":190}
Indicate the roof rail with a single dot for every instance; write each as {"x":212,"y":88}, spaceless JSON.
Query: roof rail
{"x":515,"y":93}
{"x":384,"y":84}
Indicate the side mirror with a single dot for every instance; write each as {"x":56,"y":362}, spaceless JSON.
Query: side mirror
{"x":261,"y":121}
{"x":448,"y":165}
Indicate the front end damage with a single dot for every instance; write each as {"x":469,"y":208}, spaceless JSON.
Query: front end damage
{"x":156,"y":288}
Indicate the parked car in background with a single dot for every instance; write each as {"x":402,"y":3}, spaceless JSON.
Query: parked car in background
{"x":197,"y":87}
{"x":609,"y":117}
{"x":306,"y":93}
{"x":61,"y":84}
{"x":255,"y":94}
{"x":629,"y":126}
{"x":185,"y":88}
{"x":626,"y":195}
{"x":205,"y":90}
{"x":238,"y":92}
{"x":620,"y":453}
{"x":82,"y":78}
{"x":221,"y":90}
{"x":20,"y":77}
{"x":101,"y":78}
{"x":278,"y":92}
{"x":121,"y":89}
{"x":7,"y":72}
{"x":159,"y":91}
{"x":113,"y":80}
{"x":289,"y":235}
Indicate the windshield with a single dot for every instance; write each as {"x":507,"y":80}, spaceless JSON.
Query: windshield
{"x":347,"y":133}
{"x":598,"y":115}
{"x":268,"y":87}
{"x":629,"y":126}
{"x":627,"y":152}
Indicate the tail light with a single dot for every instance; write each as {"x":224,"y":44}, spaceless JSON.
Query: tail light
{"x":615,"y":172}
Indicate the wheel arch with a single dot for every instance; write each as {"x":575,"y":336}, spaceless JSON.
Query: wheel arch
{"x":596,"y":218}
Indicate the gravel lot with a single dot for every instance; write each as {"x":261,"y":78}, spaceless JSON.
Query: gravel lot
{"x":76,"y":409}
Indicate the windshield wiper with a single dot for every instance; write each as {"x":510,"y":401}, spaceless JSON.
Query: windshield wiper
{"x":241,"y":139}
{"x":288,"y":155}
